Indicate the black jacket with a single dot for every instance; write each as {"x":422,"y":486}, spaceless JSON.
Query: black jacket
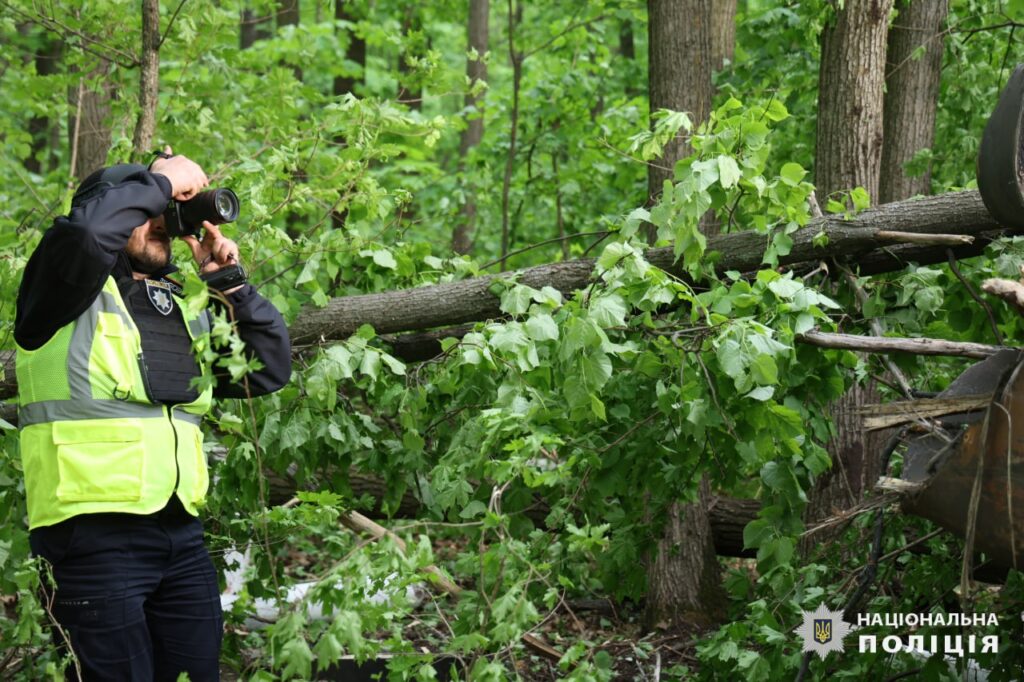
{"x":76,"y":255}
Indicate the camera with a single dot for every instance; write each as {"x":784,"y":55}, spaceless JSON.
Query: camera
{"x":182,"y":218}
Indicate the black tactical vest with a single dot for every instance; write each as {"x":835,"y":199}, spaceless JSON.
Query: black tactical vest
{"x":167,"y":363}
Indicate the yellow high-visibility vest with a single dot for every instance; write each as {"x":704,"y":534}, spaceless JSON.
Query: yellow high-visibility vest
{"x":91,"y":439}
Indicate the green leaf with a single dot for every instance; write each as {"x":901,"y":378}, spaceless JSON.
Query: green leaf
{"x":595,"y":370}
{"x":728,"y":172}
{"x":542,"y":327}
{"x":776,"y":111}
{"x":516,"y":299}
{"x":385,"y":259}
{"x":608,"y":311}
{"x":474,"y":509}
{"x":860,"y":198}
{"x":762,"y":393}
{"x":370,"y":363}
{"x":792,"y":174}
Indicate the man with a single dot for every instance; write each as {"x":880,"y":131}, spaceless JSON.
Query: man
{"x":109,"y":417}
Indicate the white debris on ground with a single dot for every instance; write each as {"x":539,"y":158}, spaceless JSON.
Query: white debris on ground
{"x":265,"y":611}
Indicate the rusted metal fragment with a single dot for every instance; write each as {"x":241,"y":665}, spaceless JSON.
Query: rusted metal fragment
{"x":990,"y":444}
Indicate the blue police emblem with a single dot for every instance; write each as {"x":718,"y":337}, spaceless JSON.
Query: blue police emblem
{"x":822,"y":630}
{"x":160,"y":296}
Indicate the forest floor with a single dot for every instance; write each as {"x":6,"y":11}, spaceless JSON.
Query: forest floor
{"x":610,"y":632}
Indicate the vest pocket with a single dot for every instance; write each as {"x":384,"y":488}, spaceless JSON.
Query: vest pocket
{"x":112,"y":359}
{"x":99,"y":461}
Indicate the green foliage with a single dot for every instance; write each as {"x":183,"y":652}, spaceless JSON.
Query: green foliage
{"x":546,"y":446}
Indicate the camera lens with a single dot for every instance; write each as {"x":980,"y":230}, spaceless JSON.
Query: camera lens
{"x":227,"y":208}
{"x":216,"y":205}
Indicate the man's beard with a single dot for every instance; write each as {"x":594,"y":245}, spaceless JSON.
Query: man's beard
{"x":151,"y":258}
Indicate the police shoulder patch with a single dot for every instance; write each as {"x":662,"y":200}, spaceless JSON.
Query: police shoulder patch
{"x":160,"y":296}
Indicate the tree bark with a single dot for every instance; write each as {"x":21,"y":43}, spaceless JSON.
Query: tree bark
{"x":42,"y":128}
{"x":723,"y":32}
{"x":355,"y":52}
{"x":515,"y":15}
{"x":683,"y":578}
{"x":93,"y":139}
{"x":627,"y":46}
{"x":849,"y":155}
{"x":149,"y":78}
{"x":855,"y":464}
{"x":911,"y":95}
{"x":410,"y":90}
{"x":288,"y":15}
{"x":252,"y":28}
{"x":888,"y":344}
{"x":679,"y":73}
{"x":852,"y":77}
{"x":476,"y":70}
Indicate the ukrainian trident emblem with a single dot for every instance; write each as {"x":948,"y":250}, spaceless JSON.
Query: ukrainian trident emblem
{"x":823,"y":631}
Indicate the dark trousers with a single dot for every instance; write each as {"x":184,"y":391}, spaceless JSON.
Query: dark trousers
{"x":136,"y":595}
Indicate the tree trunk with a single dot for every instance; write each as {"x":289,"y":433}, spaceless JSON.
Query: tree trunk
{"x":627,"y":48}
{"x":852,"y":77}
{"x":855,"y":462}
{"x":149,"y":79}
{"x":89,"y":132}
{"x":723,"y":32}
{"x":410,"y":90}
{"x":515,"y":18}
{"x":288,"y":15}
{"x":355,"y":52}
{"x":42,"y":128}
{"x":683,"y":578}
{"x":679,"y":73}
{"x":252,"y":28}
{"x":911,"y":95}
{"x":848,"y":155}
{"x":476,"y":70}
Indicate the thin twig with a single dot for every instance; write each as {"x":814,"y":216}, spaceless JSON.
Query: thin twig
{"x":878,"y":330}
{"x":170,"y":24}
{"x":543,"y":243}
{"x":974,"y":294}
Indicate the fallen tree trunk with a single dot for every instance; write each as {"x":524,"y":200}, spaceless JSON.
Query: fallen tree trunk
{"x":856,"y":239}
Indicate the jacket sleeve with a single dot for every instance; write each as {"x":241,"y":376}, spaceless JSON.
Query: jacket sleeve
{"x":74,"y":257}
{"x":265,"y":334}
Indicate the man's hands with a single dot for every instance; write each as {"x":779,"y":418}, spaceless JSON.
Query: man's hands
{"x":186,"y":177}
{"x":214,"y":252}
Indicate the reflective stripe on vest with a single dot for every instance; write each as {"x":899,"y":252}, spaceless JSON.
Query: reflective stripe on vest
{"x":91,"y":440}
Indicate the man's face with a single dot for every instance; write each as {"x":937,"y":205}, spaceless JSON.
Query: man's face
{"x":149,"y":247}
